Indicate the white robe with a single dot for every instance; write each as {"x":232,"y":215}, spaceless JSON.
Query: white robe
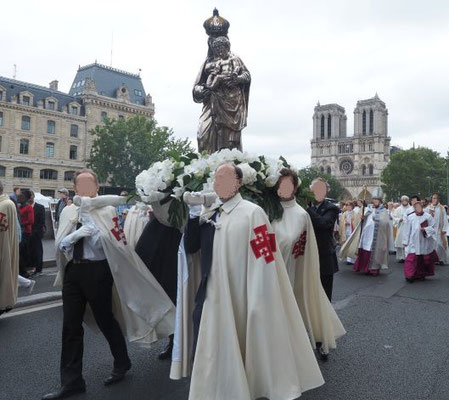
{"x":297,"y":243}
{"x":400,"y":223}
{"x":9,"y":253}
{"x":415,"y":241}
{"x":135,"y":222}
{"x":441,"y":228}
{"x":252,"y":341}
{"x":140,"y":305}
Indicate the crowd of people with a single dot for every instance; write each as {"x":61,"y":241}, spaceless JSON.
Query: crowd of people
{"x":415,"y":229}
{"x":224,"y":288}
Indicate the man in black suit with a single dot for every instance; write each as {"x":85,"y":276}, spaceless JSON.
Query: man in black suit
{"x":324,"y":214}
{"x":39,"y":228}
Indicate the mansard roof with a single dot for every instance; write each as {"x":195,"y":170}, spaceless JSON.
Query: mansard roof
{"x":107,"y":80}
{"x":14,"y":88}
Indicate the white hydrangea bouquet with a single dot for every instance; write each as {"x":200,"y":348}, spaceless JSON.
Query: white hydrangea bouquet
{"x":167,"y":180}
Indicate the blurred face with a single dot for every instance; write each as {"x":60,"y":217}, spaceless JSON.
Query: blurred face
{"x":435,"y":199}
{"x":17,"y":192}
{"x":86,"y":186}
{"x":319,"y":189}
{"x":418,"y":208}
{"x":226,"y":184}
{"x":69,"y":202}
{"x":405,"y":202}
{"x":376,"y":203}
{"x":348,"y":206}
{"x":286,"y":190}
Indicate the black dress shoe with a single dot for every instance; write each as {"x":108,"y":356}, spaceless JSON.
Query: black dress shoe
{"x":117,"y":375}
{"x":64,"y":392}
{"x":166,"y":354}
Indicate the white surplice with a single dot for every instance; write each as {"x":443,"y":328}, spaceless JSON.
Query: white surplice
{"x":297,"y":244}
{"x":413,"y":238}
{"x":400,"y":223}
{"x":441,"y":228}
{"x":252,"y":341}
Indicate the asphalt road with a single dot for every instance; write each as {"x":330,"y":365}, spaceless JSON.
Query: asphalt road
{"x":396,"y":348}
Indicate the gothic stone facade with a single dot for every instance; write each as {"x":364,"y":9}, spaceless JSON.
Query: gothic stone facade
{"x":356,"y":160}
{"x":44,"y":133}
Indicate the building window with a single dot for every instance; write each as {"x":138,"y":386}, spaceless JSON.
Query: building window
{"x":73,"y":152}
{"x":48,"y":193}
{"x":371,"y":169}
{"x":371,"y":122}
{"x":363,"y":147}
{"x":370,"y":146}
{"x":51,"y":126}
{"x":74,"y":130}
{"x":321,"y":149}
{"x":363,"y":169}
{"x":1,"y":138}
{"x":104,"y":115}
{"x":138,"y":92}
{"x":24,"y":146}
{"x":329,"y":126}
{"x":2,"y":170}
{"x":68,"y":175}
{"x":328,"y":170}
{"x":51,"y":105}
{"x":322,"y":127}
{"x":1,"y":118}
{"x":121,"y":117}
{"x":49,"y":174}
{"x":321,"y":169}
{"x":364,"y":123}
{"x":26,"y":100}
{"x":22,"y":172}
{"x":26,"y":123}
{"x":74,"y":110}
{"x":49,"y":149}
{"x":1,"y":95}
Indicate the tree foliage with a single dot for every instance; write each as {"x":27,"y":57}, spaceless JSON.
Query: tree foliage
{"x":123,"y":148}
{"x":307,"y":175}
{"x":420,"y":171}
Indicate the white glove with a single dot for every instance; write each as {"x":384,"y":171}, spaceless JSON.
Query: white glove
{"x":194,"y":211}
{"x":193,"y":198}
{"x":86,"y":230}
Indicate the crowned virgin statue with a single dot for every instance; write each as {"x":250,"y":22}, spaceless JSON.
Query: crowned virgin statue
{"x":223,"y":87}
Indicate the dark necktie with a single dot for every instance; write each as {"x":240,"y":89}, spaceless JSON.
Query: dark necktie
{"x":78,"y":249}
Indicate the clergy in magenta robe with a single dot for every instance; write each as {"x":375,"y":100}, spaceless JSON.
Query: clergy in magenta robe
{"x":370,"y":241}
{"x":419,"y":239}
{"x":9,"y":253}
{"x":297,"y":244}
{"x":252,"y":341}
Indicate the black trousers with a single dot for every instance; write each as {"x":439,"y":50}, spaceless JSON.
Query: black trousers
{"x":24,"y":255}
{"x":328,"y":282}
{"x":88,"y":283}
{"x":36,"y":251}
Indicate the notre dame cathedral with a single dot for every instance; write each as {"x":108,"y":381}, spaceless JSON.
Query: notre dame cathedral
{"x":354,"y":160}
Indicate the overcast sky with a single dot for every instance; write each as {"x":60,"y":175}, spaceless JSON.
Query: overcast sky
{"x":298,"y":52}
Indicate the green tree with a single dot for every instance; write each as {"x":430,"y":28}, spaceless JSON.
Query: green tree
{"x":420,"y":171}
{"x":122,"y":149}
{"x":307,"y":175}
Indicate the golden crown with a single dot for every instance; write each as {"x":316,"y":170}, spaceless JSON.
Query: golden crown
{"x":216,"y":26}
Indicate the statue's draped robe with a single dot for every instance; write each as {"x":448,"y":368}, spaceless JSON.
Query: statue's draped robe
{"x":9,"y":253}
{"x":252,"y":341}
{"x":225,"y":111}
{"x":297,"y":244}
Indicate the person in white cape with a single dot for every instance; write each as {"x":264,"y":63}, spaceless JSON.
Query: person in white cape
{"x":371,"y":244}
{"x":9,"y":253}
{"x":297,"y":243}
{"x":400,"y":223}
{"x":439,"y":213}
{"x":252,"y":341}
{"x":348,"y":222}
{"x":136,"y":220}
{"x":99,"y":269}
{"x":419,"y":239}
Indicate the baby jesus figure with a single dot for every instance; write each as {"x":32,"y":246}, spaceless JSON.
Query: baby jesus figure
{"x":220,"y":71}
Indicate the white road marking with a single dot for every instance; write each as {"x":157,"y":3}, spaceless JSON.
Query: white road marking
{"x":31,"y":309}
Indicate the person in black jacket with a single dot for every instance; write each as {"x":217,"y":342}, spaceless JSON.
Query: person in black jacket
{"x":324,"y":214}
{"x":39,"y":228}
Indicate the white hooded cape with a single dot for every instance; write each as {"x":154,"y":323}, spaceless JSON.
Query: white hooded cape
{"x":297,"y":244}
{"x":135,"y":222}
{"x":252,"y":341}
{"x":141,"y":306}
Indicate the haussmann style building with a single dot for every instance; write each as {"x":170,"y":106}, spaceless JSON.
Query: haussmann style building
{"x":356,"y":161}
{"x":44,"y":133}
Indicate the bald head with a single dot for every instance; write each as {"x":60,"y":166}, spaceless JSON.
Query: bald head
{"x":228,"y":179}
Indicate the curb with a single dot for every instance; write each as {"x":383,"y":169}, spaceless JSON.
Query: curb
{"x":27,"y":301}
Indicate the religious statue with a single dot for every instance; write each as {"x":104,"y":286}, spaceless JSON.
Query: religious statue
{"x":223,"y":87}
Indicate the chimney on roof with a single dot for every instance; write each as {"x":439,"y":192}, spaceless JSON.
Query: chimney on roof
{"x":54,"y":85}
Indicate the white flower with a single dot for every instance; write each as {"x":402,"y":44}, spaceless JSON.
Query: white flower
{"x":249,"y":174}
{"x":271,"y":180}
{"x":178,"y":192}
